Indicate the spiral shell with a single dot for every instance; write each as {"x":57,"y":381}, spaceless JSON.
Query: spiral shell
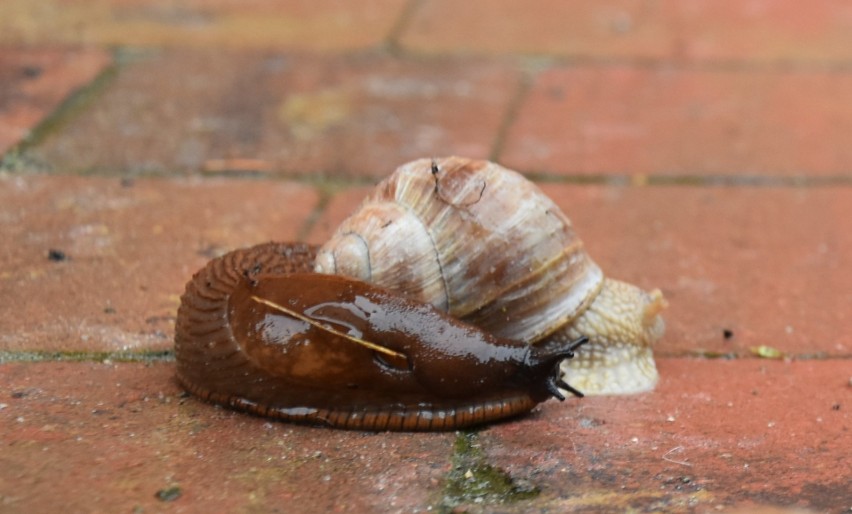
{"x":472,"y":238}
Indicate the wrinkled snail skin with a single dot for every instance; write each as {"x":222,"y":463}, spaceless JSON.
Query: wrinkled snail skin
{"x":622,"y":323}
{"x":257,"y":332}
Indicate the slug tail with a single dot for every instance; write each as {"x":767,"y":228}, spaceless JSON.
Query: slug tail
{"x":207,"y":354}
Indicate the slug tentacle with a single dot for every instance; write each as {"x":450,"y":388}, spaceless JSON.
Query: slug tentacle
{"x":550,"y":355}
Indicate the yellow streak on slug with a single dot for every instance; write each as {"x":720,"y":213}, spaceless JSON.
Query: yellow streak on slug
{"x":322,"y":326}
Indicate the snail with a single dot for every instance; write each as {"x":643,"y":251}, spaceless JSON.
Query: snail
{"x":487,"y":246}
{"x":456,"y":294}
{"x":257,"y":330}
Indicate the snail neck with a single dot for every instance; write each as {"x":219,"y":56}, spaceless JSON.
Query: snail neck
{"x":622,"y":324}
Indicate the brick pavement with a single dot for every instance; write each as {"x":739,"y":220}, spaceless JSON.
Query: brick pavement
{"x":700,"y":147}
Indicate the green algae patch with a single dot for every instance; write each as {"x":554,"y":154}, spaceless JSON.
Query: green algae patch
{"x":83,"y":356}
{"x":472,"y":480}
{"x":169,"y":494}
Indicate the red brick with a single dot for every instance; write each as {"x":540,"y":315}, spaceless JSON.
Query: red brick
{"x":340,"y":206}
{"x":333,"y":115}
{"x":623,"y":120}
{"x":294,"y":24}
{"x":762,"y":263}
{"x":34,"y":82}
{"x":714,"y":30}
{"x":106,"y":437}
{"x":586,"y":27}
{"x":762,"y":30}
{"x":714,"y":434}
{"x":130,"y":249}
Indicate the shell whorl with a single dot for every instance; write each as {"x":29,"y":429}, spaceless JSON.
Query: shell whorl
{"x":472,"y":238}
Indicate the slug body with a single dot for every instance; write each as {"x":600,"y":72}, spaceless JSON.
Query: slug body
{"x":258,"y":331}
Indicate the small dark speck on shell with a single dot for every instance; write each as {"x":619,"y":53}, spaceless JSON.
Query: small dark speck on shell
{"x":727,"y":333}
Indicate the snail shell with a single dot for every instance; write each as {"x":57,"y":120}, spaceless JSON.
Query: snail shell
{"x":257,"y":331}
{"x":474,"y":239}
{"x":485,"y":245}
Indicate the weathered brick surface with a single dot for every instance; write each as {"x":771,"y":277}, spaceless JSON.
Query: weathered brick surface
{"x":713,"y":434}
{"x":626,"y":120}
{"x":71,"y":442}
{"x":356,"y":116}
{"x":34,"y":82}
{"x":762,"y":31}
{"x":712,"y":30}
{"x":339,"y":207}
{"x":129,"y":249}
{"x":293,"y":24}
{"x":587,"y":28}
{"x":722,"y":89}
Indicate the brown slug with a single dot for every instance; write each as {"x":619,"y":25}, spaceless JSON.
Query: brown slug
{"x":258,"y":331}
